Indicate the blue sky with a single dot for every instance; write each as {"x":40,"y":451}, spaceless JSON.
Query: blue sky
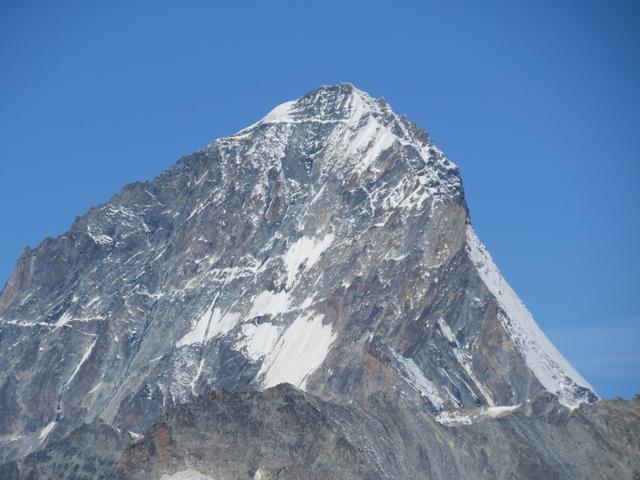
{"x":537,"y":102}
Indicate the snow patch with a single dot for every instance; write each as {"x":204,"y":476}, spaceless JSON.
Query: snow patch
{"x":99,"y":238}
{"x":44,"y":433}
{"x":95,"y":388}
{"x":211,"y":324}
{"x":280,"y":114}
{"x":463,"y":359}
{"x":188,"y":474}
{"x":370,"y":142}
{"x":304,"y":251}
{"x":500,"y":411}
{"x":470,"y":416}
{"x":64,"y":319}
{"x":82,"y":360}
{"x":269,"y":303}
{"x":258,"y":340}
{"x":413,"y":376}
{"x":298,"y":353}
{"x":548,"y":365}
{"x":451,"y":418}
{"x":197,"y":334}
{"x":221,"y":324}
{"x":446,"y":331}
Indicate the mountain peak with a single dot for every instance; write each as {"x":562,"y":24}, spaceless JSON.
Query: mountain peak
{"x":326,"y":246}
{"x":328,"y":103}
{"x":364,"y":130}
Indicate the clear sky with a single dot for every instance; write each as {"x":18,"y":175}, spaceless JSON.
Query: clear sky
{"x":537,"y":102}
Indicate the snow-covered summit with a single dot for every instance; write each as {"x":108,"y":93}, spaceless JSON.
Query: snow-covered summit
{"x":328,"y":103}
{"x":356,"y":133}
{"x":332,"y":103}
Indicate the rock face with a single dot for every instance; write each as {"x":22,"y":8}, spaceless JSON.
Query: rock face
{"x":327,"y":246}
{"x":284,"y":433}
{"x":287,"y":434}
{"x":91,"y":452}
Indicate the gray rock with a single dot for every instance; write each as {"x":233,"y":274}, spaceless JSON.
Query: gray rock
{"x":328,"y":246}
{"x":90,"y":452}
{"x":287,"y":434}
{"x":284,"y":433}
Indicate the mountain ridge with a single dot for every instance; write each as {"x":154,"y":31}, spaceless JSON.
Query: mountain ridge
{"x":283,"y":432}
{"x":332,"y":236}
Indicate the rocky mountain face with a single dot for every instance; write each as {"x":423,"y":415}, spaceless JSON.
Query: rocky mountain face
{"x":284,"y":433}
{"x":327,"y":246}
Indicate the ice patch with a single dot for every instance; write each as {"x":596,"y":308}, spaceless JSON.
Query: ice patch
{"x":298,"y":353}
{"x":544,"y":360}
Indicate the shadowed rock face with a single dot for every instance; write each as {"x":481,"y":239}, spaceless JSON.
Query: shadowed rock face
{"x":284,"y":433}
{"x":327,"y":246}
{"x":89,"y":452}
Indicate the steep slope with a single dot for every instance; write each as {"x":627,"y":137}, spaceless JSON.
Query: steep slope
{"x":327,"y":246}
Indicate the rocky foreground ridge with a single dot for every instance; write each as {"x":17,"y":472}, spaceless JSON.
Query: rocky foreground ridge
{"x":285,"y":433}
